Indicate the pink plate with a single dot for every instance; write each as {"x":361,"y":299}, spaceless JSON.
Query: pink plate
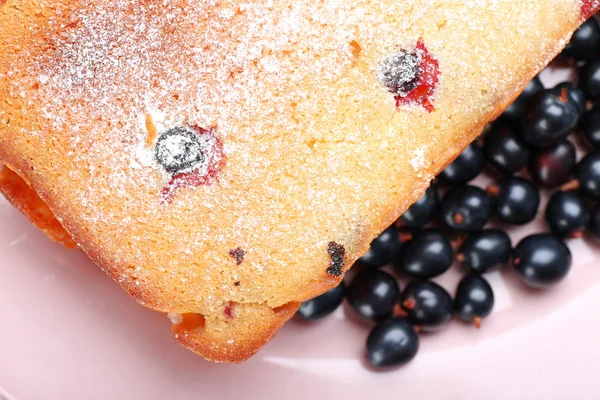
{"x":68,"y":332}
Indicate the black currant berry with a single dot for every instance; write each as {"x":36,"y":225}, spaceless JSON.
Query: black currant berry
{"x":474,"y":299}
{"x":392,"y":343}
{"x":373,"y":294}
{"x":427,"y":304}
{"x":465,"y":208}
{"x":542,"y":260}
{"x":322,"y":305}
{"x":485,"y":250}
{"x":429,"y":253}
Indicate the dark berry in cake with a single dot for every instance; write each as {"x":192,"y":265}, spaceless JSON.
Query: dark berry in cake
{"x":399,"y":72}
{"x":373,"y":294}
{"x":322,"y":305}
{"x":550,"y":115}
{"x":590,"y":126}
{"x":465,"y":167}
{"x":465,"y":208}
{"x":589,"y":79}
{"x":514,"y":111}
{"x":585,"y":42}
{"x":587,"y":174}
{"x":428,"y":305}
{"x":542,"y":260}
{"x":474,"y":299}
{"x":485,"y":250}
{"x":504,"y":150}
{"x":567,"y":214}
{"x":392,"y":343}
{"x":384,"y":249}
{"x":594,"y":226}
{"x":429,"y":253}
{"x":421,"y":212}
{"x":515,"y":200}
{"x":179,"y":150}
{"x":554,"y":165}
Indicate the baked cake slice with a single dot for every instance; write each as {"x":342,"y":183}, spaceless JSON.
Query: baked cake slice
{"x":225,"y":161}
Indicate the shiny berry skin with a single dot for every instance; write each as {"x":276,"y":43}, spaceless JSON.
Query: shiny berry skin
{"x":504,"y":150}
{"x":590,"y":126}
{"x":554,"y":165}
{"x":542,"y":260}
{"x":428,"y":305}
{"x":594,"y":226}
{"x":550,"y":116}
{"x":429,"y":253}
{"x":465,"y":167}
{"x":515,"y":200}
{"x":567,"y":214}
{"x":576,"y":96}
{"x":465,"y":208}
{"x":585,"y":42}
{"x":474,"y":299}
{"x":322,"y":305}
{"x":421,"y":212}
{"x":392,"y":343}
{"x":373,"y":294}
{"x":384,"y":249}
{"x":587,"y":174}
{"x":589,"y":79}
{"x":486,"y":250}
{"x":514,"y":111}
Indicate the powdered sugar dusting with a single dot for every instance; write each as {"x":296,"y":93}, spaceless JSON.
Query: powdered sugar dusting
{"x":316,"y":150}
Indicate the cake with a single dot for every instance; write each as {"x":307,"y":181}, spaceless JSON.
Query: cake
{"x":225,"y":161}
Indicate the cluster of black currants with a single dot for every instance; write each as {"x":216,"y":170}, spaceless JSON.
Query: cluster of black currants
{"x":529,"y":149}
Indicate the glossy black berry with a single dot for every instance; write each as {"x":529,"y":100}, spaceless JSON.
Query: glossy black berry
{"x":427,"y":304}
{"x":515,"y":200}
{"x":485,"y":250}
{"x":590,"y":126}
{"x":465,"y":167}
{"x":179,"y":149}
{"x":504,"y":150}
{"x":594,"y":226}
{"x":585,"y":42}
{"x":322,"y":305}
{"x":392,"y":343}
{"x":474,"y":299}
{"x":575,"y":95}
{"x":587,"y":174}
{"x":514,"y":112}
{"x":542,"y":260}
{"x":421,"y":212}
{"x":567,"y":214}
{"x":428,"y":254}
{"x":384,"y":249}
{"x":373,"y":294}
{"x":550,"y":116}
{"x":554,"y":165}
{"x":465,"y":208}
{"x":589,"y":79}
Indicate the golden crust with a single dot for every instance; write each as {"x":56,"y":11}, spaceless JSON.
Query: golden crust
{"x":124,"y":228}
